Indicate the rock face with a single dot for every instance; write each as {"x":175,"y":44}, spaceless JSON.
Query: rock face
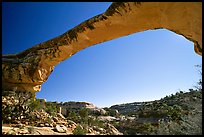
{"x":77,"y":105}
{"x":28,"y":70}
{"x":67,"y":106}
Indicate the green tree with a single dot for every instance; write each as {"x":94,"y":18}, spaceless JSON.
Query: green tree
{"x":111,"y":112}
{"x":83,"y":112}
{"x":51,"y":108}
{"x":199,"y":83}
{"x":79,"y":131}
{"x":35,"y":105}
{"x":73,"y":116}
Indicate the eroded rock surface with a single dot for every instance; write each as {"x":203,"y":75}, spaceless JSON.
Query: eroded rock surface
{"x":78,"y":105}
{"x":28,"y":70}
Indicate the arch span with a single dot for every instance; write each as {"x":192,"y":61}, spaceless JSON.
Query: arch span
{"x":28,"y":70}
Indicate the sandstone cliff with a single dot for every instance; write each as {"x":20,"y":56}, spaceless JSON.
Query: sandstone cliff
{"x":28,"y":70}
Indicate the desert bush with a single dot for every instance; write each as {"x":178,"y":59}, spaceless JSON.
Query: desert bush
{"x":73,"y":116}
{"x":16,"y":105}
{"x":51,"y":108}
{"x":35,"y":105}
{"x":79,"y":131}
{"x":189,"y":125}
{"x":83,"y":113}
{"x":199,"y":83}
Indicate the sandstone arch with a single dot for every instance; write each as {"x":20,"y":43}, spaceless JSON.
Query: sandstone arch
{"x":28,"y":70}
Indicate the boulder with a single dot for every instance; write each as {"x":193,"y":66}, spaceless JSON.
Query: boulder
{"x":112,"y":130}
{"x":55,"y":119}
{"x":11,"y":132}
{"x":60,"y":128}
{"x":23,"y":131}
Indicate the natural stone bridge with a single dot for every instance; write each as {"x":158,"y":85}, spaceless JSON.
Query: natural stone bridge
{"x":28,"y":70}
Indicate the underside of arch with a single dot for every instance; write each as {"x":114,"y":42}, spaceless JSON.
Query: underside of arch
{"x":28,"y":70}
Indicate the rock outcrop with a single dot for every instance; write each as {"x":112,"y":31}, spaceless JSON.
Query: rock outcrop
{"x":77,"y":105}
{"x":28,"y":70}
{"x":67,"y":106}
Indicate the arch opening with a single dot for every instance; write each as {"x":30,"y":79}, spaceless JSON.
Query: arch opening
{"x":33,"y":66}
{"x":122,"y":70}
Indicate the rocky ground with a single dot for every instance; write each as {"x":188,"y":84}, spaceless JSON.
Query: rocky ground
{"x":40,"y":122}
{"x":44,"y":125}
{"x":57,"y":130}
{"x":179,"y":114}
{"x":31,"y":130}
{"x":57,"y":125}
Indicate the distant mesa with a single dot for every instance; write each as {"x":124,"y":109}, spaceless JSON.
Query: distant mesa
{"x":28,"y":70}
{"x":71,"y":105}
{"x":78,"y":105}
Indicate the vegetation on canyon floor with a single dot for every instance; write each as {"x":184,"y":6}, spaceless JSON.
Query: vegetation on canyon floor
{"x":176,"y":114}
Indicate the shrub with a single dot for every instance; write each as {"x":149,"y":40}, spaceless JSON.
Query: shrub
{"x":79,"y":131}
{"x":16,"y":105}
{"x":35,"y":105}
{"x":83,"y":113}
{"x":73,"y":116}
{"x":51,"y":108}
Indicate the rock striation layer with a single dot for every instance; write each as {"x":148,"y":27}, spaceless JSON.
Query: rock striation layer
{"x":28,"y":70}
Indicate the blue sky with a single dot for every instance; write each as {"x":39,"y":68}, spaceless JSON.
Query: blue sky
{"x":143,"y":66}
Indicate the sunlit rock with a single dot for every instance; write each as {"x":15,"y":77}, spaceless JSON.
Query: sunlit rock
{"x":28,"y":70}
